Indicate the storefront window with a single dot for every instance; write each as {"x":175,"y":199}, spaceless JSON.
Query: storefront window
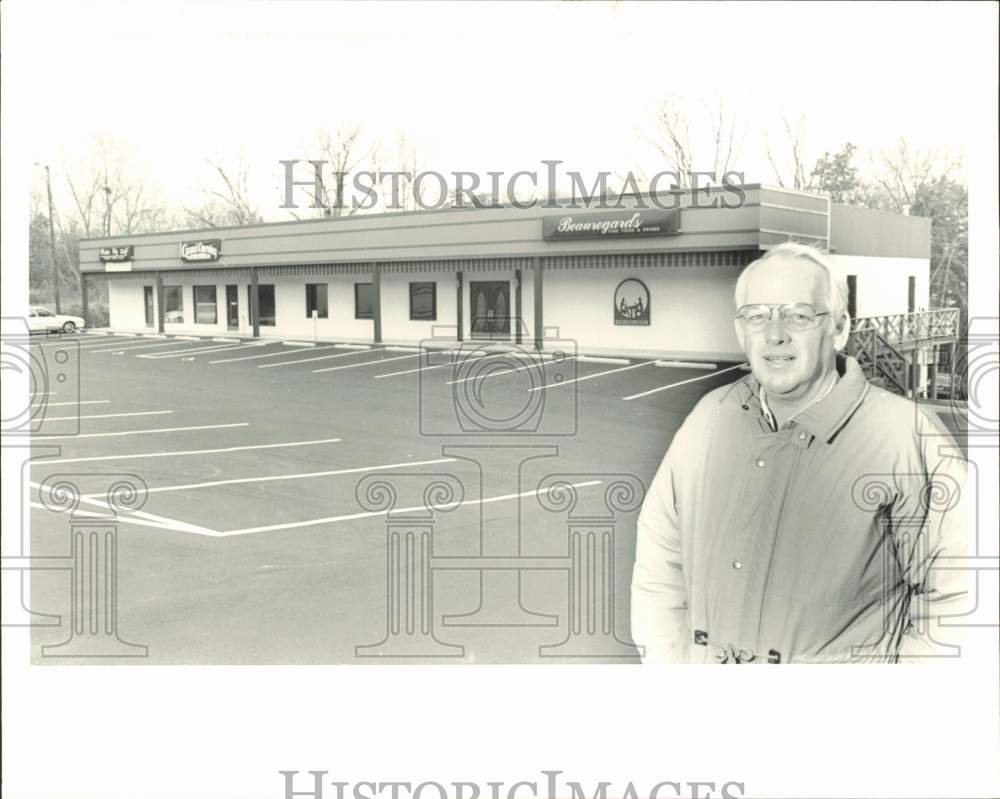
{"x":205,"y":309}
{"x":423,"y":301}
{"x":364,"y":301}
{"x":173,"y":305}
{"x":316,"y":300}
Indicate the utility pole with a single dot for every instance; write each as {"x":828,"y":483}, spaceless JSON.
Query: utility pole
{"x":52,"y":240}
{"x":107,"y":208}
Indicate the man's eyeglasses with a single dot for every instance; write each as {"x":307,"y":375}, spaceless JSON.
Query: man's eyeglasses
{"x":798,"y":317}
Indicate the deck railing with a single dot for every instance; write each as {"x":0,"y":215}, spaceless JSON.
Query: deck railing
{"x":885,"y":346}
{"x":908,"y":327}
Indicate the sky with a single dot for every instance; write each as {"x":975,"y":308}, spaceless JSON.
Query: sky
{"x":478,"y":86}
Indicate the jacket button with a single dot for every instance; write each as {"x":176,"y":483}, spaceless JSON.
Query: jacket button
{"x":802,"y":435}
{"x":760,"y":463}
{"x":737,"y":564}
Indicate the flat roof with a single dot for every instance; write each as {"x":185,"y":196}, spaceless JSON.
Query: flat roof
{"x":720,"y":218}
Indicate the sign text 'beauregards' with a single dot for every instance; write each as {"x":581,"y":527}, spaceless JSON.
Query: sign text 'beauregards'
{"x":208,"y":250}
{"x":600,"y":226}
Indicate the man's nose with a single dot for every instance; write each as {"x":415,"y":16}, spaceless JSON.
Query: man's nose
{"x":774,"y":332}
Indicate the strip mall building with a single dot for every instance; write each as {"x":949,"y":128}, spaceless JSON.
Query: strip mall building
{"x":638,"y":281}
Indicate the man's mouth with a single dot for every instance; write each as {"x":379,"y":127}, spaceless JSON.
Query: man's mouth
{"x":779,"y":360}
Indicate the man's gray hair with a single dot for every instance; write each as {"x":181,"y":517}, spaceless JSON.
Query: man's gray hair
{"x":836,"y":281}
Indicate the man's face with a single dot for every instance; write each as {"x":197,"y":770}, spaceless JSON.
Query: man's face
{"x":787,"y":363}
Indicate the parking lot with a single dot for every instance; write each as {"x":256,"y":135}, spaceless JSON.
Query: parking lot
{"x":253,"y":544}
{"x":268,"y":470}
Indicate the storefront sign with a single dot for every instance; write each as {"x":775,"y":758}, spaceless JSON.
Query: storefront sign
{"x":209,"y":250}
{"x":615,"y":225}
{"x":115,"y":254}
{"x":631,"y":303}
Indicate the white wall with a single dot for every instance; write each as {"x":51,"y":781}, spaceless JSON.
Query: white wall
{"x":691,"y":309}
{"x":290,"y":308}
{"x":882,"y":283}
{"x":126,"y":304}
{"x":396,"y":322}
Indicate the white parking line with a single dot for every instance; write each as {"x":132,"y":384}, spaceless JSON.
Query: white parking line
{"x":104,"y":415}
{"x":146,"y":346}
{"x":277,"y":354}
{"x":369,"y":514}
{"x":477,"y":356}
{"x":591,"y":377}
{"x":42,"y":461}
{"x":317,"y":358}
{"x":89,"y":344}
{"x":137,"y":516}
{"x":300,"y":476}
{"x":202,"y":350}
{"x":77,"y":402}
{"x":369,"y":363}
{"x":155,"y":430}
{"x":680,"y":383}
{"x":508,"y":371}
{"x":166,"y":524}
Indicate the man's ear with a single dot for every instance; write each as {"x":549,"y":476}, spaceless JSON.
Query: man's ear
{"x":842,"y":332}
{"x":739,"y":334}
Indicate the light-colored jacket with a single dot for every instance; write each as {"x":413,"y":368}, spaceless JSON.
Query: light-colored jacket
{"x":821,"y":542}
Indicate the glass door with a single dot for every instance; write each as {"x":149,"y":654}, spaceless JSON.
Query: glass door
{"x":490,"y":304}
{"x":232,"y":308}
{"x":147,"y":292}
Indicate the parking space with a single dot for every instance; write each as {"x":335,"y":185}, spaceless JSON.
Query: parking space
{"x":263,"y":537}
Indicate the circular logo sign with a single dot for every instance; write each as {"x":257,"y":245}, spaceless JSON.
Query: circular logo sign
{"x":631,"y":303}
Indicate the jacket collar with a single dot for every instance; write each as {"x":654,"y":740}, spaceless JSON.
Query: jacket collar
{"x":822,"y":419}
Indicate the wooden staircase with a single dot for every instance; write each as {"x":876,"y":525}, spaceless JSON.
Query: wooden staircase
{"x":888,"y":348}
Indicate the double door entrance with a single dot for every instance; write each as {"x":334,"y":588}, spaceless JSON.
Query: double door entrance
{"x":489,"y":301}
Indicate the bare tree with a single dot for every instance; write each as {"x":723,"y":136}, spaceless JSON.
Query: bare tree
{"x":672,"y":139}
{"x":342,"y":151}
{"x":724,"y":131}
{"x":231,"y":203}
{"x":109,"y":197}
{"x":801,"y":172}
{"x":408,"y":164}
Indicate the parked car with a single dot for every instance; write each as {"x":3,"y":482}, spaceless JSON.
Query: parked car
{"x":42,"y":320}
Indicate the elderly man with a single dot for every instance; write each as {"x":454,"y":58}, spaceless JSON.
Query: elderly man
{"x":800,"y":513}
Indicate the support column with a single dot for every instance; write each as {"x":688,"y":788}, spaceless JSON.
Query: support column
{"x":159,"y":302}
{"x":458,"y":300}
{"x":951,"y":367}
{"x":915,"y":372}
{"x":538,"y":266}
{"x":932,"y":369}
{"x":254,"y":301}
{"x":517,"y":305}
{"x":377,"y":302}
{"x":83,"y":299}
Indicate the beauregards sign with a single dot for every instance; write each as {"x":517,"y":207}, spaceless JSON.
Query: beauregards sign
{"x":115,"y":254}
{"x":626,"y":223}
{"x":208,"y":250}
